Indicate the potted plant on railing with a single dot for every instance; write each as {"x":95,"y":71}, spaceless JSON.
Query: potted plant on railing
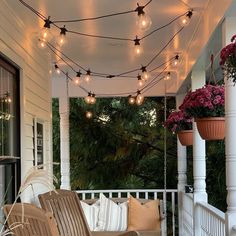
{"x":228,"y":59}
{"x":178,"y":122}
{"x":206,"y":106}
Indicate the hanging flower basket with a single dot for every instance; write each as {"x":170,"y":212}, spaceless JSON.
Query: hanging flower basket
{"x":206,"y":106}
{"x":185,"y":137}
{"x":211,"y":128}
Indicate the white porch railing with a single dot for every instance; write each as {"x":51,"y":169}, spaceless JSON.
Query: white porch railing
{"x":170,"y":195}
{"x":211,"y":220}
{"x":188,"y":213}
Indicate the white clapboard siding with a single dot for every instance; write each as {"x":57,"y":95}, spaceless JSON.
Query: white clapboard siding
{"x":35,"y":85}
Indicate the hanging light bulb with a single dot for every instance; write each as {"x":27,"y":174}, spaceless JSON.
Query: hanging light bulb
{"x":185,"y":20}
{"x":92,"y":99}
{"x":58,"y":71}
{"x":137,"y":47}
{"x":167,"y":77}
{"x":140,"y":81}
{"x":41,"y":43}
{"x":144,"y":22}
{"x":131,"y":100}
{"x":139,"y":98}
{"x":61,"y":40}
{"x":45,"y":32}
{"x":87,"y":99}
{"x":87,"y":77}
{"x":76,"y":79}
{"x":176,"y":61}
{"x":145,"y":74}
{"x":89,"y":114}
{"x":7,"y":98}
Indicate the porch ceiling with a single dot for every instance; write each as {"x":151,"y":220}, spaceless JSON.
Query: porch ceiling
{"x":114,"y":57}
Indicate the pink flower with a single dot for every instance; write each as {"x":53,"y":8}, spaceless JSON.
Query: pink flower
{"x":204,"y":102}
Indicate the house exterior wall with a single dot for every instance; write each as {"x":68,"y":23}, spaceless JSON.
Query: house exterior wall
{"x":35,"y":87}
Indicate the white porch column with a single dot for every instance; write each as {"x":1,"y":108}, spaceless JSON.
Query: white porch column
{"x":229,"y":29}
{"x":199,"y":157}
{"x":64,"y":141}
{"x":182,"y":169}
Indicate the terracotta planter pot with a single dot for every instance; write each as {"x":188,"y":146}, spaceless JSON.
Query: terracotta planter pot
{"x":211,"y":128}
{"x":185,"y":137}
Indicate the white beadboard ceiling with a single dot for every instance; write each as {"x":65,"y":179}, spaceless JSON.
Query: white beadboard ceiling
{"x":113,"y":57}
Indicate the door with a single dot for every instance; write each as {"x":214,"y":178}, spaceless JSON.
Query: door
{"x":9,"y":132}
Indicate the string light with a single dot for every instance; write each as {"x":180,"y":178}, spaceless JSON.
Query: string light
{"x":137,"y":47}
{"x":61,"y":40}
{"x":176,"y":61}
{"x":185,"y":20}
{"x":90,"y":99}
{"x":139,"y":98}
{"x":89,"y":114}
{"x":76,"y":79}
{"x":45,"y":32}
{"x":93,"y":99}
{"x":58,"y":71}
{"x":131,"y":100}
{"x":6,"y":98}
{"x":168,"y":76}
{"x":140,"y":81}
{"x":87,"y":77}
{"x":143,"y":21}
{"x":41,"y":44}
{"x":145,"y":74}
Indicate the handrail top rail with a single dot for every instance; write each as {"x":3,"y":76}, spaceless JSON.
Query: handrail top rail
{"x":128,"y":190}
{"x":218,"y":213}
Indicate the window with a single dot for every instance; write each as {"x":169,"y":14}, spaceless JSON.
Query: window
{"x":9,"y":131}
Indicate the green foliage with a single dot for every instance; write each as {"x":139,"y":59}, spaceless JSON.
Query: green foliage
{"x":121,"y":146}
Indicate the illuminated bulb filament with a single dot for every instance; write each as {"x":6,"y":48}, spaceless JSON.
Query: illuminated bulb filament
{"x":131,"y":100}
{"x":168,"y":76}
{"x":41,"y":44}
{"x":87,"y":77}
{"x":89,"y":114}
{"x":144,"y":22}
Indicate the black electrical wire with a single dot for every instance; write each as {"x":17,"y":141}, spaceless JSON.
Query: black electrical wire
{"x":147,"y":3}
{"x":151,"y":61}
{"x":66,"y":74}
{"x":33,"y":10}
{"x":81,"y":67}
{"x":94,"y":18}
{"x":164,"y":63}
{"x":156,"y":82}
{"x":55,"y":50}
{"x":153,"y":80}
{"x":61,"y":58}
{"x":164,"y":26}
{"x":99,"y":36}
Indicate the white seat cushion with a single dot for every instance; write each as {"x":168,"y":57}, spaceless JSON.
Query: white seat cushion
{"x":91,"y":214}
{"x":112,"y":216}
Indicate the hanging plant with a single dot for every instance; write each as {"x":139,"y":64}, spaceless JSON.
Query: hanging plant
{"x":206,"y":105}
{"x":228,"y":59}
{"x":178,"y":122}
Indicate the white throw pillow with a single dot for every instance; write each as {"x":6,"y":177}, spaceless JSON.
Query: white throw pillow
{"x":112,"y":216}
{"x":91,"y":214}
